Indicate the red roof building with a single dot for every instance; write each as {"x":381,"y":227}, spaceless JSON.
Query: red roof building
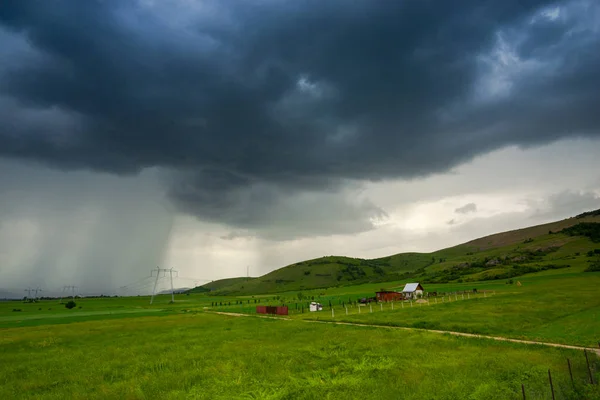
{"x":389,"y":295}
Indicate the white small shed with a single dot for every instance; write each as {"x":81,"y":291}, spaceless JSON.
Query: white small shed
{"x":412,"y":290}
{"x":315,"y":306}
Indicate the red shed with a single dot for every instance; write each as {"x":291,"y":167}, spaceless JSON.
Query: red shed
{"x":389,"y":295}
{"x":281,"y":310}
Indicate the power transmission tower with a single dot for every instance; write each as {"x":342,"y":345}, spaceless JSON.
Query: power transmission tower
{"x":36,"y":292}
{"x":164,"y":271}
{"x":28,"y":290}
{"x":66,"y":290}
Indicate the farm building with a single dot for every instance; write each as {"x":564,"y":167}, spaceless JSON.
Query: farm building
{"x":412,"y":290}
{"x":388,"y":295}
{"x":277,"y":310}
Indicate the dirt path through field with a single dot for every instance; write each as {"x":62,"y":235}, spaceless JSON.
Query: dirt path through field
{"x":472,"y":335}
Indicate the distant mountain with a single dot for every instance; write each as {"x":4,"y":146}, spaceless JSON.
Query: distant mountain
{"x":503,"y":255}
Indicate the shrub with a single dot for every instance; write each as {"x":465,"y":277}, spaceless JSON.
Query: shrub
{"x":70,"y":304}
{"x":594,"y":266}
{"x":587,"y":229}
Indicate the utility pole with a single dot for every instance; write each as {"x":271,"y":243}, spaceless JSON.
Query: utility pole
{"x":172,"y":292}
{"x":248,"y":271}
{"x":164,"y":271}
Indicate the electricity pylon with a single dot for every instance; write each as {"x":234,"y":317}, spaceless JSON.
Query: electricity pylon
{"x":158,"y":270}
{"x":28,"y":290}
{"x":66,"y":289}
{"x":36,"y":292}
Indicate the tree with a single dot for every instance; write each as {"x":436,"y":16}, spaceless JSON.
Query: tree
{"x":300,"y":296}
{"x":70,"y":304}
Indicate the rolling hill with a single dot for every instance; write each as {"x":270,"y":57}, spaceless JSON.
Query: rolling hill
{"x":218,"y":284}
{"x":569,"y":243}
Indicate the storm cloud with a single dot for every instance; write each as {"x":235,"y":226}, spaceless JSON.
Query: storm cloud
{"x":261,"y":110}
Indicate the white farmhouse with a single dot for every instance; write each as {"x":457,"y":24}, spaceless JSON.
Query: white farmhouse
{"x":412,"y":290}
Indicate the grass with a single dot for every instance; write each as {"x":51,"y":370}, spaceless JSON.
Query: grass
{"x":559,"y":308}
{"x":126,"y":348}
{"x":203,"y":356}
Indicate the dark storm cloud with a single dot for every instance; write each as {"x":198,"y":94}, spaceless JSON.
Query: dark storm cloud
{"x":467,"y":208}
{"x":250,"y":104}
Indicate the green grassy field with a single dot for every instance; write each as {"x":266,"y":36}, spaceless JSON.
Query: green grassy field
{"x":558,"y":309}
{"x":126,"y":348}
{"x":204,"y":356}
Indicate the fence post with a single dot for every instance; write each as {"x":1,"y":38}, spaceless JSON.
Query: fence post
{"x":346,"y":310}
{"x":551,"y":386}
{"x":523,"y":391}
{"x":332,"y":313}
{"x":358,"y":309}
{"x":571,"y":372}
{"x":402,"y":304}
{"x":381,"y":306}
{"x":588,"y":366}
{"x":370,"y":307}
{"x":392,"y":305}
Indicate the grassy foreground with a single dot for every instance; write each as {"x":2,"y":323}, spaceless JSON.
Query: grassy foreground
{"x":204,"y":356}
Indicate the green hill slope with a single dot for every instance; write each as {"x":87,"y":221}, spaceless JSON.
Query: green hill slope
{"x":557,"y":245}
{"x":218,"y":284}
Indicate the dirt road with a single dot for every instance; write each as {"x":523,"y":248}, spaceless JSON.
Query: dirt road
{"x":472,"y":335}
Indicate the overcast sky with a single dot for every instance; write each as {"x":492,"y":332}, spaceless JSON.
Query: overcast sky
{"x":210,"y":136}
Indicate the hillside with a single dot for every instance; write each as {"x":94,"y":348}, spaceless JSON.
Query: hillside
{"x":557,"y":245}
{"x":218,"y":284}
